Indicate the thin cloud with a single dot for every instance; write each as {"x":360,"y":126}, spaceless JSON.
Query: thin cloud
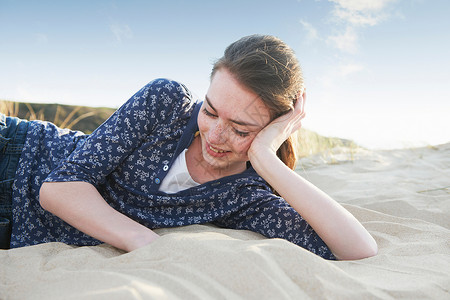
{"x":121,"y":32}
{"x":363,"y":5}
{"x":351,"y":15}
{"x":346,"y":41}
{"x":361,"y":12}
{"x":311,"y":32}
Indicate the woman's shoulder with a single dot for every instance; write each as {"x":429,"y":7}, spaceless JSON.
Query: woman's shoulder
{"x":167,"y":89}
{"x":167,"y":85}
{"x":167,"y":96}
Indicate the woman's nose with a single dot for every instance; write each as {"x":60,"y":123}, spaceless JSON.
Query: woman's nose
{"x":218,"y":133}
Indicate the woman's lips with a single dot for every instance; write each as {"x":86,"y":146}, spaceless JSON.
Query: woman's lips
{"x":215,"y":152}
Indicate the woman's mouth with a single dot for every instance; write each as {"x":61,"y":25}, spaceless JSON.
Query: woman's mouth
{"x":215,"y":151}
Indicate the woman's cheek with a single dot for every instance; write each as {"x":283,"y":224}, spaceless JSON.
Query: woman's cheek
{"x":202,"y":124}
{"x":244,"y":145}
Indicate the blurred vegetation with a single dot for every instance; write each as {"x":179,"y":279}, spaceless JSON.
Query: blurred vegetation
{"x":309,"y":143}
{"x":82,"y":118}
{"x":86,"y":119}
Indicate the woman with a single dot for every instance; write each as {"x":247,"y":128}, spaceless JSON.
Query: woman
{"x":164,"y":160}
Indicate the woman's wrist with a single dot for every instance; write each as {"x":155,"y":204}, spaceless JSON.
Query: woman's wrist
{"x":263,"y":159}
{"x":259,"y":150}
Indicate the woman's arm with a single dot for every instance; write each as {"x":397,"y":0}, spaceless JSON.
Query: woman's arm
{"x":339,"y":229}
{"x":82,"y":206}
{"x":69,"y":191}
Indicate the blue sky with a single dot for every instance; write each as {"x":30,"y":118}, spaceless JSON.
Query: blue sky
{"x":376,"y":71}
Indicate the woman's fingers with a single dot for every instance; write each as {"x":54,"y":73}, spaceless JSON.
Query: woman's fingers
{"x":303,"y":100}
{"x":275,"y":133}
{"x":300,"y":105}
{"x":293,"y":119}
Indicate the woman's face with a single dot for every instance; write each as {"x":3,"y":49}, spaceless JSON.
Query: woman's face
{"x":230,"y":118}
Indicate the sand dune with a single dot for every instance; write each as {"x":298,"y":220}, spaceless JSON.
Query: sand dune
{"x":401,"y":196}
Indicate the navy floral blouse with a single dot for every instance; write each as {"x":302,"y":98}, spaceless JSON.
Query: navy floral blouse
{"x":127,"y":158}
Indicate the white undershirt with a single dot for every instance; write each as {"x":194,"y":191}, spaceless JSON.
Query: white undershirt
{"x":178,"y":177}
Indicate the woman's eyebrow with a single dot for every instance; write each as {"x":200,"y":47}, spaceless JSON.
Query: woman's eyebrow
{"x":231,"y":120}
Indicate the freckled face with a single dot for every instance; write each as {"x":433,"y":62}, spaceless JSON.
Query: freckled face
{"x":230,"y":118}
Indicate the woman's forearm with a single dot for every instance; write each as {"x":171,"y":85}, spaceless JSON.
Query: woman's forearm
{"x":338,"y":228}
{"x":81,"y":205}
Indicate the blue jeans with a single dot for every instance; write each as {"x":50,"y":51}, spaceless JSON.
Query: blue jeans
{"x":12,"y":137}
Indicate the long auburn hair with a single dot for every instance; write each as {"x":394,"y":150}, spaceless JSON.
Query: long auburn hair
{"x":269,"y":68}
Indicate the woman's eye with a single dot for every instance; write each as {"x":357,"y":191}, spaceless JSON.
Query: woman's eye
{"x":206,"y":112}
{"x":241,"y":133}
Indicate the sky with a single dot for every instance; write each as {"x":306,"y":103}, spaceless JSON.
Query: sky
{"x":376,"y":71}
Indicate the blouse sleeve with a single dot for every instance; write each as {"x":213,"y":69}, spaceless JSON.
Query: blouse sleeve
{"x":273,"y":217}
{"x":100,"y":153}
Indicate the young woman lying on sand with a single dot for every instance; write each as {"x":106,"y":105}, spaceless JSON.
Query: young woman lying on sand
{"x":165,"y":159}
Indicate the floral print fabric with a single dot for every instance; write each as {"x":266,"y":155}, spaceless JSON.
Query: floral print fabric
{"x":126,"y":159}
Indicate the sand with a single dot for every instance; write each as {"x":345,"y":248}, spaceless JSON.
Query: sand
{"x":401,"y":196}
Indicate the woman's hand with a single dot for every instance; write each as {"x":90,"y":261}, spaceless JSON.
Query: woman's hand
{"x":276,"y":132}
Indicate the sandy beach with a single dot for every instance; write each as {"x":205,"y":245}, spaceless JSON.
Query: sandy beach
{"x":401,"y":196}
